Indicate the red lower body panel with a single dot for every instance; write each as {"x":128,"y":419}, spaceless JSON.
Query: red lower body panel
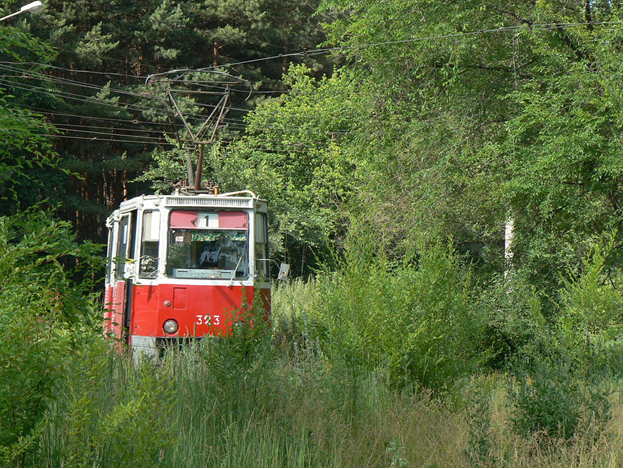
{"x":198,"y":309}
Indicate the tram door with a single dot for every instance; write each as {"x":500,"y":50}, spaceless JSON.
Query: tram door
{"x":121,"y":270}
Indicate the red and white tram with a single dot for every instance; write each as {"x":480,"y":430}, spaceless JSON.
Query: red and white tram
{"x":184,"y":265}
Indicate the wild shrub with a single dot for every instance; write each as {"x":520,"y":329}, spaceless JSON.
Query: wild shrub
{"x":42,"y":321}
{"x":564,"y":373}
{"x":590,"y":327}
{"x":293,"y":327}
{"x":546,"y":399}
{"x":109,"y":412}
{"x":513,"y":314}
{"x":477,"y":397}
{"x":420,"y":322}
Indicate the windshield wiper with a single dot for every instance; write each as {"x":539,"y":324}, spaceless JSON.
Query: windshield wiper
{"x":234,"y":272}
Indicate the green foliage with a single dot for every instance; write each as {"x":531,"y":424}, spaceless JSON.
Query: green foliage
{"x":109,"y":412}
{"x":584,"y":327}
{"x":20,"y":45}
{"x":482,"y":113}
{"x":291,"y":316}
{"x":479,"y":415}
{"x":549,"y":399}
{"x":292,"y":153}
{"x":242,"y":402}
{"x":170,"y":168}
{"x":591,"y":326}
{"x":246,"y":350}
{"x":447,"y":120}
{"x":26,"y":151}
{"x":582,"y":345}
{"x":29,"y":368}
{"x":566,"y":141}
{"x":418,"y":322}
{"x":44,"y":315}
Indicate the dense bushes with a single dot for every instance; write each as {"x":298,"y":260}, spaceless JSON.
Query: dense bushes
{"x":430,"y":326}
{"x":43,"y":315}
{"x":420,"y":322}
{"x":378,"y":364}
{"x":565,"y":372}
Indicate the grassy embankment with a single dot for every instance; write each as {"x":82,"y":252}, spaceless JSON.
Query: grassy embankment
{"x":289,"y":397}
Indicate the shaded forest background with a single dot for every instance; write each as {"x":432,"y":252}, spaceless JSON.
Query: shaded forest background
{"x":423,"y":122}
{"x":394,"y":142}
{"x":81,"y":67}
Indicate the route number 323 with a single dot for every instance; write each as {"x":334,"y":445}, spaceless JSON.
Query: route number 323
{"x":207,"y":320}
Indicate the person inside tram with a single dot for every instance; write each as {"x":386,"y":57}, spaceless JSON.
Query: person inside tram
{"x":222,"y":256}
{"x":209,"y":255}
{"x":228,"y":257}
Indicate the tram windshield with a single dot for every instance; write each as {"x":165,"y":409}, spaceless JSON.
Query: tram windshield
{"x":208,"y":253}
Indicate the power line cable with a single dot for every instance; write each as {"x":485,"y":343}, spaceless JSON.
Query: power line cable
{"x":109,"y":140}
{"x":143,"y":95}
{"x":128,"y":106}
{"x":75,"y":70}
{"x":327,"y":50}
{"x":122,"y":106}
{"x":112,"y":133}
{"x":319,"y":51}
{"x":134,"y":122}
{"x":97,"y":127}
{"x":231,"y":121}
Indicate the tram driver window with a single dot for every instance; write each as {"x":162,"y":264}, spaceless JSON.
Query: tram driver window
{"x":207,"y":253}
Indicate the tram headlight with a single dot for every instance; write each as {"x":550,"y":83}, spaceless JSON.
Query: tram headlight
{"x":170,"y":326}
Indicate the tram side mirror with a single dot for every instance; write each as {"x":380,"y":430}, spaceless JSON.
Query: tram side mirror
{"x":284,"y":271}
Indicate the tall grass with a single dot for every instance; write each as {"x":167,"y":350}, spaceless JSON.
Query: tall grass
{"x":178,"y":413}
{"x":290,"y":413}
{"x":321,"y":387}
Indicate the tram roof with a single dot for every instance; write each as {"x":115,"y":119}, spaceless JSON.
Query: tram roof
{"x":232,"y":200}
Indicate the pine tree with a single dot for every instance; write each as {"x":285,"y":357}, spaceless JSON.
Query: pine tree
{"x":109,"y":122}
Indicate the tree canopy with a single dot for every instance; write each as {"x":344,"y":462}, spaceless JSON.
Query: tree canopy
{"x":439,"y":119}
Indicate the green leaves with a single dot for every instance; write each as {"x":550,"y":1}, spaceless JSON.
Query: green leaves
{"x":25,"y":143}
{"x":43,"y":314}
{"x":293,"y":153}
{"x":418,"y":323}
{"x":25,"y":153}
{"x":486,"y":109}
{"x":95,"y":45}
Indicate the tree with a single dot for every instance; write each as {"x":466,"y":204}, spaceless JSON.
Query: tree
{"x":566,"y":184}
{"x":45,"y":316}
{"x":26,"y":156}
{"x":292,"y":153}
{"x":485,"y":110}
{"x":109,"y":122}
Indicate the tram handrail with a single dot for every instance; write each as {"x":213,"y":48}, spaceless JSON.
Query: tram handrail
{"x":228,"y":194}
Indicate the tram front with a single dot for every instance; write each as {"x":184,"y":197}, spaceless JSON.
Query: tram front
{"x":184,"y":266}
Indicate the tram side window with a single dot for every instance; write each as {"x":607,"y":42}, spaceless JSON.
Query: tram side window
{"x":261,"y":248}
{"x":122,"y":247}
{"x":109,"y":255}
{"x":125,"y":244}
{"x":148,"y":266}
